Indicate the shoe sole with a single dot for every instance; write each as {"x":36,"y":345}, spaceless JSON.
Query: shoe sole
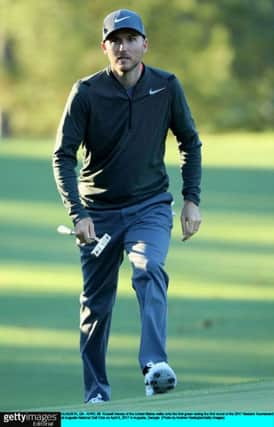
{"x":163,"y":380}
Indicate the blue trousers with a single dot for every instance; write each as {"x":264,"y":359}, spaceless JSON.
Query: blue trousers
{"x":143,"y":232}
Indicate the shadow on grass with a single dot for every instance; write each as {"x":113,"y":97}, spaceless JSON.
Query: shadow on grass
{"x":44,"y":245}
{"x":32,"y":180}
{"x":211,"y":342}
{"x":27,"y":179}
{"x":189,"y":317}
{"x":225,"y":190}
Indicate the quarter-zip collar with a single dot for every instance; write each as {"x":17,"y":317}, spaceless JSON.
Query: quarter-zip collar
{"x":141,"y":83}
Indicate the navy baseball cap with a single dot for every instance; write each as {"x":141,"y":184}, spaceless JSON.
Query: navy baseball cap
{"x":122,"y":18}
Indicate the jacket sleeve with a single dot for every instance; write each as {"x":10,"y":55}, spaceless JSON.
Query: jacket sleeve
{"x":70,"y":134}
{"x":183,"y":127}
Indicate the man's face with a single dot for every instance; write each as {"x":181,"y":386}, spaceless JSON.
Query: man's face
{"x":125,"y":50}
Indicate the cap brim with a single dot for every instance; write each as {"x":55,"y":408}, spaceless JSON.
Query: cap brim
{"x":123,"y":28}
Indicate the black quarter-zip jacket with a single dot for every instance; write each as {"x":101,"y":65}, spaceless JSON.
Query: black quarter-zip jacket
{"x":123,"y":142}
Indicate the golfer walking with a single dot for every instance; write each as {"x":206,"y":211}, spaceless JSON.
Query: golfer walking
{"x":120,"y":117}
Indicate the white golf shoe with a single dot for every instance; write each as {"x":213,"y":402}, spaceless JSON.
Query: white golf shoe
{"x":96,"y":399}
{"x":160,"y":378}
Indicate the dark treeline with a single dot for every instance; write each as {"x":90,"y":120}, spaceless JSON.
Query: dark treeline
{"x":222,"y":50}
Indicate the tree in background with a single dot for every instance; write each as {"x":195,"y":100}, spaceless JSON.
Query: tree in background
{"x":222,"y":50}
{"x":251,"y":89}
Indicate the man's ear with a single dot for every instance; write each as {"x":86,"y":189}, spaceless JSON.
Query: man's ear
{"x":145,"y":45}
{"x":103,"y":47}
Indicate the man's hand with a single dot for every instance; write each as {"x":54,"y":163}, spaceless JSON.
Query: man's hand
{"x":84,"y":230}
{"x":190,"y":219}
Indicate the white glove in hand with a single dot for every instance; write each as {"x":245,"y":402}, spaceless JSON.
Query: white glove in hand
{"x":84,"y":230}
{"x":190,"y":219}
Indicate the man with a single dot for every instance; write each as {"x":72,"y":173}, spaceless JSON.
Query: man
{"x":120,"y":116}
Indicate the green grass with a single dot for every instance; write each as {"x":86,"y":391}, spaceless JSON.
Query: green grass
{"x":249,"y":397}
{"x":221,"y":294}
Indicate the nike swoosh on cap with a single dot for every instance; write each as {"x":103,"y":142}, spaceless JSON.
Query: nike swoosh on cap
{"x":153,"y":92}
{"x":116,"y":20}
